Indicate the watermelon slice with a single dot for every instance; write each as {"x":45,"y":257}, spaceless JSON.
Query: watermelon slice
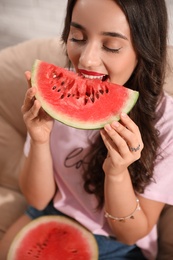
{"x":77,"y":101}
{"x":53,"y":238}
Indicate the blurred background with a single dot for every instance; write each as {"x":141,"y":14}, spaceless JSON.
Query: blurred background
{"x":26,"y":19}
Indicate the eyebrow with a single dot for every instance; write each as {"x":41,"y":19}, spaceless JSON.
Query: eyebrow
{"x":111,"y":34}
{"x":114,"y":34}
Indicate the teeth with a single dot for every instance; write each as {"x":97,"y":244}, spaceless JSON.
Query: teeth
{"x":92,"y":77}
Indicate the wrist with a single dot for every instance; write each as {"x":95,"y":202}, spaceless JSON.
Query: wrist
{"x":36,"y":144}
{"x":114,"y":177}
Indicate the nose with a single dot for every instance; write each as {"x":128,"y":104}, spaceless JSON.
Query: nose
{"x":90,"y":56}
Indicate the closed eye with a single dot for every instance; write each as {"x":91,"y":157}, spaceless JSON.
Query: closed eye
{"x":111,"y":50}
{"x":82,"y":41}
{"x":77,"y":40}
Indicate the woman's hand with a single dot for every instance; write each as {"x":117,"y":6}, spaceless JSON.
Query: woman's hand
{"x":38,"y":122}
{"x":124,"y":144}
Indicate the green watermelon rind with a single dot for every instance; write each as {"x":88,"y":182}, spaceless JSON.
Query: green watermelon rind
{"x":85,"y":233}
{"x":76,"y":122}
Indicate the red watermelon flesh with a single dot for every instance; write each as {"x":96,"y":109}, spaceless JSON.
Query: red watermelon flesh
{"x":53,"y":238}
{"x":77,"y":101}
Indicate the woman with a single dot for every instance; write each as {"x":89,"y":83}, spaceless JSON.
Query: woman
{"x":112,"y":181}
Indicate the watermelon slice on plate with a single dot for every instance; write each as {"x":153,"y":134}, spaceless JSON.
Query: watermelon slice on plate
{"x":77,"y":101}
{"x":53,"y":238}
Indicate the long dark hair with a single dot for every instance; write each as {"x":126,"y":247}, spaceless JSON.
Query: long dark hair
{"x":148,"y":24}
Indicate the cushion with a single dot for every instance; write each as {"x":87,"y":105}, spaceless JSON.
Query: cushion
{"x":14,"y":62}
{"x":12,"y":206}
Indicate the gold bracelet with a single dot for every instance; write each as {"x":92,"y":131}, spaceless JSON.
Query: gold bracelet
{"x":131,"y":216}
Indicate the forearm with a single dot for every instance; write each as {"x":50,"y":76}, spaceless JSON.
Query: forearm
{"x":120,"y":201}
{"x":36,"y":179}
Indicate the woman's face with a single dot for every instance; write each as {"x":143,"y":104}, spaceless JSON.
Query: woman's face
{"x":99,"y":41}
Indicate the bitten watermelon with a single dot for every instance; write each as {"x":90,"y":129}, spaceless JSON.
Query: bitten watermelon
{"x":53,"y":238}
{"x":77,"y":101}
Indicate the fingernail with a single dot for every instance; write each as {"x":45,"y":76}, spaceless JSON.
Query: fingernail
{"x":108,"y":127}
{"x":115,"y":124}
{"x":123,"y":114}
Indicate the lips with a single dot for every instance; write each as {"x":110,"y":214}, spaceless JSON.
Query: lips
{"x":91,"y":74}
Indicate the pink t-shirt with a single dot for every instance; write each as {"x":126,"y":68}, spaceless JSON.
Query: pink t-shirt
{"x":70,"y":149}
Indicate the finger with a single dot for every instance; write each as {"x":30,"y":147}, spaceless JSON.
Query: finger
{"x":129,"y":123}
{"x":115,"y":142}
{"x":129,"y":137}
{"x":106,"y":139}
{"x":129,"y":131}
{"x":122,"y":146}
{"x":28,"y":78}
{"x":29,"y":100}
{"x":33,"y":112}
